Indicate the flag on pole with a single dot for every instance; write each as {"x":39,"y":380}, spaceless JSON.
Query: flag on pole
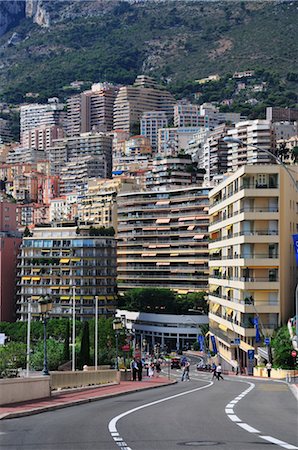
{"x":256,"y":324}
{"x":213,"y":342}
{"x":201,"y":342}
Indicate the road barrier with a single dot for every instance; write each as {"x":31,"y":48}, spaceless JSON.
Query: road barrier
{"x":65,"y":380}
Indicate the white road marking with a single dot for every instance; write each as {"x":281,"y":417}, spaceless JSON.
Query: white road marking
{"x":248,"y":428}
{"x":234,"y":418}
{"x":278,"y":442}
{"x":112,"y":426}
{"x":229,"y":411}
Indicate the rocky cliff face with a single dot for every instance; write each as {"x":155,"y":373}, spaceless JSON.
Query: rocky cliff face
{"x":11,"y":12}
{"x":37,"y":11}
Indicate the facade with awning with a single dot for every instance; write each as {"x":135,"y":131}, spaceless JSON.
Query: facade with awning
{"x":174,"y":224}
{"x":77,"y":266}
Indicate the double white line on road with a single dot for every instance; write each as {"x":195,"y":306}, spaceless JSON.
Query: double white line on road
{"x":112,"y":424}
{"x":230,"y":413}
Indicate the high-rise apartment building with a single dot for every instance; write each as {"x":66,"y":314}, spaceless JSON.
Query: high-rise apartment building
{"x":86,"y":144}
{"x":253,"y":133}
{"x":163,"y":239}
{"x":132,"y":101}
{"x":91,"y":110}
{"x":172,"y":140}
{"x":276,"y":114}
{"x":39,"y":115}
{"x":253,"y":214}
{"x":215,"y":117}
{"x":214,"y":155}
{"x":99,"y":204}
{"x":188,"y":115}
{"x":151,"y":122}
{"x":172,"y":171}
{"x":10,"y":241}
{"x":66,"y":263}
{"x":41,"y":138}
{"x":5,"y":131}
{"x":76,"y":173}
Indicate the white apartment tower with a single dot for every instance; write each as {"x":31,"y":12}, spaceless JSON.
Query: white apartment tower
{"x":252,"y":132}
{"x":151,"y":122}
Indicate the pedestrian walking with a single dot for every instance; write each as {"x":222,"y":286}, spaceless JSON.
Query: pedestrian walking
{"x":134,"y":369}
{"x":213,"y":369}
{"x":269,"y":368}
{"x":151,"y":370}
{"x":185,"y":372}
{"x":140,"y":370}
{"x":157,"y":368}
{"x":218,"y":372}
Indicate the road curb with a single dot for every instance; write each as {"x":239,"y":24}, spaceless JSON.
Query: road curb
{"x":31,"y":412}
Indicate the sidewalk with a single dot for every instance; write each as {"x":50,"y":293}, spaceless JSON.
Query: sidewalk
{"x":79,"y":396}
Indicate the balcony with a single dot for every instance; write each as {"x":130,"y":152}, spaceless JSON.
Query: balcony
{"x":245,"y":256}
{"x":246,"y":210}
{"x":270,"y":185}
{"x":246,"y":233}
{"x":244,"y":279}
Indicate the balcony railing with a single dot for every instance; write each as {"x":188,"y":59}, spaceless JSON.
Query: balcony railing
{"x":246,"y":233}
{"x":245,"y":186}
{"x":245,"y":279}
{"x":244,"y":323}
{"x":247,"y":301}
{"x":245,"y":256}
{"x":246,"y":210}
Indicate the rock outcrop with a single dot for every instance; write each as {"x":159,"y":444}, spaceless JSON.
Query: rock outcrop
{"x":37,"y":11}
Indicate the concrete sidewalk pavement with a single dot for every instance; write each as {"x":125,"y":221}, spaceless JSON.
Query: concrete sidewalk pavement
{"x":64,"y":399}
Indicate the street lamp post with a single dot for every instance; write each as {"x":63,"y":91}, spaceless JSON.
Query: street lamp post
{"x":117,"y":326}
{"x":28,"y":338}
{"x":45,"y":306}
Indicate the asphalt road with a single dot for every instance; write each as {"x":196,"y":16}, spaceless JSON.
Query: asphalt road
{"x":191,"y":414}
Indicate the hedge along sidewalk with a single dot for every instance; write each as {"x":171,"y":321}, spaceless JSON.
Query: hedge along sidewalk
{"x":80,"y":396}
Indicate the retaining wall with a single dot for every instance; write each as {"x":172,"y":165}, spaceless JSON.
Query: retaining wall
{"x":15,"y":390}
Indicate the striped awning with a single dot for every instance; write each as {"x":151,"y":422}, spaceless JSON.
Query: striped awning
{"x":215,"y":307}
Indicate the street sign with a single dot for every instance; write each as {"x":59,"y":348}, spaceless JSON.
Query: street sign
{"x":237,"y":341}
{"x":125,"y":348}
{"x":294,"y":353}
{"x":250,"y":355}
{"x":267,"y":341}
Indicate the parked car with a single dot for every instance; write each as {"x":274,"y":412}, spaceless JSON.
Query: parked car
{"x":175,"y":363}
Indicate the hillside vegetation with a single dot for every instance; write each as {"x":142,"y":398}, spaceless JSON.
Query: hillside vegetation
{"x":175,"y":41}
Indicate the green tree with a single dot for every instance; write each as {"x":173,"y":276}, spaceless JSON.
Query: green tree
{"x":85,"y":346}
{"x":54,"y":354}
{"x":149,"y":300}
{"x":12,"y":356}
{"x":282,"y":347}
